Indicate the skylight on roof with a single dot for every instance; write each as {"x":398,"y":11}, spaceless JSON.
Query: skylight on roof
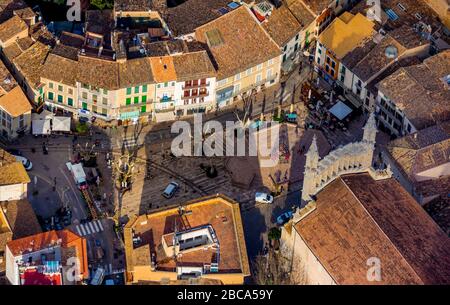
{"x":223,"y":10}
{"x":233,"y":5}
{"x":214,"y":38}
{"x":391,"y":14}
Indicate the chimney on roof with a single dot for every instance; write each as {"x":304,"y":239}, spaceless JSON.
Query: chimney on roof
{"x":100,"y":51}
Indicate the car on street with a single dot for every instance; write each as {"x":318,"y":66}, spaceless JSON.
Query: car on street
{"x":170,"y":190}
{"x":263,"y":198}
{"x":26,"y":163}
{"x":285,"y":217}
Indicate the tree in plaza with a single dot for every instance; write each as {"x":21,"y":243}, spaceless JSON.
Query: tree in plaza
{"x":247,"y":108}
{"x":271,"y":269}
{"x":274,"y":234}
{"x":102,"y":4}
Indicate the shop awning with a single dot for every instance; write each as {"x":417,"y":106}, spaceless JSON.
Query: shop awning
{"x":61,"y":123}
{"x":340,"y":110}
{"x":41,"y":127}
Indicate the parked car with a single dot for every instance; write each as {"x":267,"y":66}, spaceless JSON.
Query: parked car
{"x":170,"y":190}
{"x":263,"y":198}
{"x":285,"y":217}
{"x":26,"y":163}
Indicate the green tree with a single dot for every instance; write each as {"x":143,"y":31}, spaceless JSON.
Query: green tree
{"x":102,"y":4}
{"x":274,"y":234}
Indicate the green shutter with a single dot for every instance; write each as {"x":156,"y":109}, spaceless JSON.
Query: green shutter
{"x":60,"y":98}
{"x":128,"y":101}
{"x":136,"y":89}
{"x":128,"y":91}
{"x":84,"y":105}
{"x":50,"y":96}
{"x":136,"y":99}
{"x":144,"y":98}
{"x":143,"y":109}
{"x":144,"y":88}
{"x":70,"y":101}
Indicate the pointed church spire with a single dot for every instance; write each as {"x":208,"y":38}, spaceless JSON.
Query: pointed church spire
{"x":370,"y":129}
{"x":312,"y":156}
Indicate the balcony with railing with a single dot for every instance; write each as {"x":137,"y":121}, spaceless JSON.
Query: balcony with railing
{"x":199,"y":94}
{"x":194,"y":86}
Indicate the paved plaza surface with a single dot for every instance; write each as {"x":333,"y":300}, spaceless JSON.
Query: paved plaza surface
{"x":52,"y":186}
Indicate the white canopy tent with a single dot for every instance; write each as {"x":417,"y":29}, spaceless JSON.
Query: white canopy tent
{"x":340,"y":110}
{"x":61,"y":123}
{"x":41,"y":127}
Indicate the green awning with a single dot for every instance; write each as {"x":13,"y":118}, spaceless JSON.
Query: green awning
{"x":129,"y":115}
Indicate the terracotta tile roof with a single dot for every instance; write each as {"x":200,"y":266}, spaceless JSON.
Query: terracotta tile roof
{"x":15,"y":102}
{"x":282,"y":26}
{"x":193,"y":65}
{"x":7,"y":7}
{"x":423,"y":150}
{"x":317,"y":6}
{"x":369,"y":58}
{"x":66,"y":52}
{"x":420,"y":91}
{"x":7,"y":81}
{"x":303,"y":15}
{"x":163,"y":69}
{"x":21,"y":218}
{"x":39,"y":32}
{"x":134,"y":72}
{"x":230,"y":54}
{"x":31,"y":62}
{"x":220,"y":212}
{"x":25,"y":13}
{"x":46,"y":239}
{"x":12,"y":51}
{"x":133,"y":5}
{"x":71,"y":39}
{"x":12,"y":171}
{"x":10,"y":28}
{"x":358,"y":218}
{"x":98,"y":72}
{"x":183,"y":19}
{"x":60,"y":69}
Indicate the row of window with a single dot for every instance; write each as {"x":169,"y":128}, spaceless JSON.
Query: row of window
{"x":60,"y":88}
{"x":137,"y":89}
{"x":60,"y":98}
{"x":136,"y":100}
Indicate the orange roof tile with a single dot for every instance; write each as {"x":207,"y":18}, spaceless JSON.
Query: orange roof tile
{"x":15,"y":102}
{"x":163,"y":69}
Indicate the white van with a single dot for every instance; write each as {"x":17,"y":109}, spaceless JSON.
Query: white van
{"x":26,"y":163}
{"x":263,"y":198}
{"x":170,"y":190}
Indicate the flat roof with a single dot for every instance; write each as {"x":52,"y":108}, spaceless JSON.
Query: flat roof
{"x":345,"y":33}
{"x":220,"y":212}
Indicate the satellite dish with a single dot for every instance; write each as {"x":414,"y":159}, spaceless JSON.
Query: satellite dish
{"x":391,"y":52}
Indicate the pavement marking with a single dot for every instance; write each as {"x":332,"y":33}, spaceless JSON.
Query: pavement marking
{"x":95,"y":226}
{"x":82,"y":229}
{"x":92,"y":227}
{"x":100,"y":225}
{"x":87,"y":229}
